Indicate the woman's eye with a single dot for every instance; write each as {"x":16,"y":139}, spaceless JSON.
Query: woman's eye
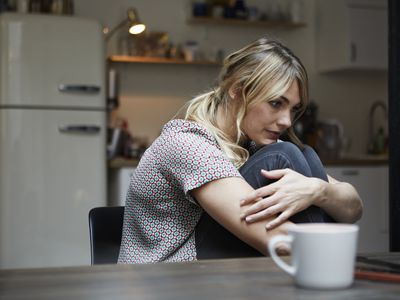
{"x":295,"y":109}
{"x":275,"y":103}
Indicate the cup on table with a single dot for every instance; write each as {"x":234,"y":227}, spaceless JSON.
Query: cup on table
{"x":322,"y":255}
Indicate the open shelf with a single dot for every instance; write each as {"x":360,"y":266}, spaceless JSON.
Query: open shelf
{"x":222,"y":21}
{"x":158,"y":60}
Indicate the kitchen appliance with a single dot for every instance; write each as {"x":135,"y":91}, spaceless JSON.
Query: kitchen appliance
{"x":52,"y":138}
{"x":330,"y":139}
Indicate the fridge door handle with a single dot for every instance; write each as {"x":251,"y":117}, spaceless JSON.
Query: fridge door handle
{"x":79,"y":88}
{"x":80,"y":129}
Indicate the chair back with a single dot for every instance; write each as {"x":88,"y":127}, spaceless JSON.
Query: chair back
{"x":105,"y":228}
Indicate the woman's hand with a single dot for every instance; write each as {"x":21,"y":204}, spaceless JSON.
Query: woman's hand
{"x":290,"y":194}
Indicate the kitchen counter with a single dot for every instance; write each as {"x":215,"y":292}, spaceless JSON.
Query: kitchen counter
{"x":121,"y":162}
{"x":357,"y":160}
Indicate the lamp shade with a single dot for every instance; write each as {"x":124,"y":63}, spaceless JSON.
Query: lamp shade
{"x":135,"y":26}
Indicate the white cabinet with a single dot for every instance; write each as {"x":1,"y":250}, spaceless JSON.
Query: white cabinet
{"x":352,"y":35}
{"x":373,"y":186}
{"x":119,"y":181}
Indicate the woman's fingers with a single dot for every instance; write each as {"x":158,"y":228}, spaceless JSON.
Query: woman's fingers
{"x":275,"y":174}
{"x":284,"y":216}
{"x":258,"y":195}
{"x":265,"y":191}
{"x":289,"y":194}
{"x":263,"y":208}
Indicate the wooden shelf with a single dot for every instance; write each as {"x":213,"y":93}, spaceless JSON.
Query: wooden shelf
{"x":158,"y":60}
{"x":222,"y":21}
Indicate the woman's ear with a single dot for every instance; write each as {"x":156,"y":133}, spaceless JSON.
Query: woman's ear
{"x":233,"y":91}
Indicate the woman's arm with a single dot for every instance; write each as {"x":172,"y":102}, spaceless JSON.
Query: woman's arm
{"x":340,"y":200}
{"x":221,"y":200}
{"x":293,"y":192}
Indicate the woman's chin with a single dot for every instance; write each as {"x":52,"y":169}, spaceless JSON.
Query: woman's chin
{"x":266,"y":142}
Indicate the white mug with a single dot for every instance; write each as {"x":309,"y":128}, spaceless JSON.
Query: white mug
{"x":322,"y":254}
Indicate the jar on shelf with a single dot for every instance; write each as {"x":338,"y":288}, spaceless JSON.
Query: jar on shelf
{"x":22,"y":6}
{"x":295,"y":11}
{"x":190,"y":50}
{"x":199,"y":9}
{"x":62,"y":7}
{"x":35,"y":6}
{"x":4,"y":5}
{"x":240,"y":9}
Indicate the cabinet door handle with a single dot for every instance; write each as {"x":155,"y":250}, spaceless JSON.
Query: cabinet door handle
{"x":79,"y":129}
{"x":350,"y":172}
{"x":79,"y":88}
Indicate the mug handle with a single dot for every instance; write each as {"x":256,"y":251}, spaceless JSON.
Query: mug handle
{"x":271,"y":248}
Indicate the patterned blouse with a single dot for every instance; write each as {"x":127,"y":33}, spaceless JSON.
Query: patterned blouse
{"x":160,"y":215}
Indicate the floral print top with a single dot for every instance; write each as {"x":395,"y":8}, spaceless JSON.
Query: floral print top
{"x":160,"y":215}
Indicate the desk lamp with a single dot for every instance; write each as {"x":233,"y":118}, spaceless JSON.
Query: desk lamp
{"x":136,"y":27}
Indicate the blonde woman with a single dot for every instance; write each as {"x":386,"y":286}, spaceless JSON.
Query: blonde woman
{"x":219,"y":183}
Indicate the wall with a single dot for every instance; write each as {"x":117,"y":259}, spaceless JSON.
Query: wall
{"x":151,"y":94}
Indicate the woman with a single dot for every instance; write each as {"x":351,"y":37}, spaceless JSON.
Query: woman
{"x":224,"y":164}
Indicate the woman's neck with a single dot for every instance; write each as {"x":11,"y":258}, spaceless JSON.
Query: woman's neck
{"x":226,"y":121}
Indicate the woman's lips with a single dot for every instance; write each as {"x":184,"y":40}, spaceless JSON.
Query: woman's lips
{"x":273,"y":134}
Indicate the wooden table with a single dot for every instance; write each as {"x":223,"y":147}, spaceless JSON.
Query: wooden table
{"x":251,"y":278}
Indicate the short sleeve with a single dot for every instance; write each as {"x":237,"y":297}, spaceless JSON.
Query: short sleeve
{"x":192,"y":159}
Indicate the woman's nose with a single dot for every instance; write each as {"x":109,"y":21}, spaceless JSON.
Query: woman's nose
{"x":285,"y":120}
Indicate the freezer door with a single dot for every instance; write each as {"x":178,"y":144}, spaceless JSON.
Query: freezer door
{"x":51,"y":61}
{"x":53,"y":171}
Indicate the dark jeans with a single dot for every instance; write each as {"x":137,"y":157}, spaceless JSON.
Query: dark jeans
{"x":214,"y":241}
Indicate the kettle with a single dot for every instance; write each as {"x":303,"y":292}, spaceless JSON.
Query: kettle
{"x":329,"y":139}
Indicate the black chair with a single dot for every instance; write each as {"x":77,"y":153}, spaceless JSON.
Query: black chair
{"x":105,"y":227}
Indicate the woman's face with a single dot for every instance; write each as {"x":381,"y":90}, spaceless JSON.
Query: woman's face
{"x":266,"y":121}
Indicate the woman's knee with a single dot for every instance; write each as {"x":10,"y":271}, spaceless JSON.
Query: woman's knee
{"x":286,"y":148}
{"x":277,"y":156}
{"x":284,"y":155}
{"x":316,"y":166}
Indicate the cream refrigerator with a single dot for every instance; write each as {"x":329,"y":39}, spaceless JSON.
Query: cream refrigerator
{"x":52,"y":138}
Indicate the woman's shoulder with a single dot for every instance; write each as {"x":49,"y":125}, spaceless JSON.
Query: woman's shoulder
{"x":181,"y":127}
{"x":180,"y":137}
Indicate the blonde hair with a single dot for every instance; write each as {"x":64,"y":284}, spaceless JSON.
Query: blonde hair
{"x":261,"y":71}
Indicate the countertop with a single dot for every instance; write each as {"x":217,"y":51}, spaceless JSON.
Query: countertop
{"x":357,"y":160}
{"x":121,"y":162}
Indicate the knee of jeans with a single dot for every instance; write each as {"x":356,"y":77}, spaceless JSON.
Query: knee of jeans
{"x":287,"y":148}
{"x":275,"y":156}
{"x":308,"y":149}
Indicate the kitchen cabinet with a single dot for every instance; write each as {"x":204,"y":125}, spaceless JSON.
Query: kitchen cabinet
{"x":372,"y":184}
{"x":352,"y":35}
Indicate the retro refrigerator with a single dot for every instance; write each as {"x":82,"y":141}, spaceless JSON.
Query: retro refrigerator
{"x":52,"y":138}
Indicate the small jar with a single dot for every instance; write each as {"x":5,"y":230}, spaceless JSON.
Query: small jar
{"x":35,"y":6}
{"x":3,"y":5}
{"x":68,"y":7}
{"x":190,"y":50}
{"x":57,"y":7}
{"x":23,"y":6}
{"x":199,"y":9}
